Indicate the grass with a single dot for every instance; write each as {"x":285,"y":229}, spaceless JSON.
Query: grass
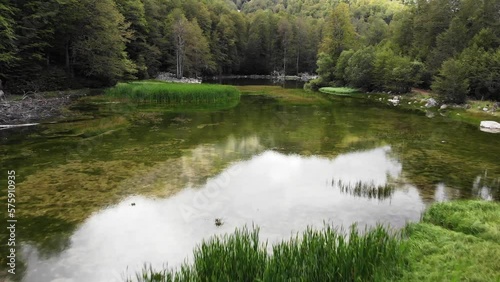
{"x":455,"y":241}
{"x":174,"y":93}
{"x":315,"y":255}
{"x":339,"y":90}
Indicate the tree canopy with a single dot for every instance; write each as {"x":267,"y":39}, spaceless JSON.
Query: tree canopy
{"x":373,"y":44}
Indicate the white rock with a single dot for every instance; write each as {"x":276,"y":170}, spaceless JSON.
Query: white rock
{"x":443,"y":107}
{"x":485,"y":109}
{"x":395,"y":102}
{"x":490,"y":124}
{"x":431,"y":103}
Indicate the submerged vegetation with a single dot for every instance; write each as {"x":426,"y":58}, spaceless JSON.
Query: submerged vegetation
{"x":456,"y":241}
{"x":315,"y":255}
{"x":175,"y":93}
{"x":284,"y":95}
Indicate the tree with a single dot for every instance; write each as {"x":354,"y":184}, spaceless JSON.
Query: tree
{"x":451,"y":83}
{"x":8,"y":53}
{"x":179,"y":27}
{"x":360,"y":67}
{"x":137,"y":45}
{"x":99,"y":49}
{"x":285,"y":33}
{"x":339,"y":32}
{"x":339,"y":36}
{"x":224,"y":44}
{"x":197,"y":51}
{"x":340,"y":68}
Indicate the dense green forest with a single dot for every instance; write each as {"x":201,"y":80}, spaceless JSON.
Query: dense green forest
{"x":449,"y":45}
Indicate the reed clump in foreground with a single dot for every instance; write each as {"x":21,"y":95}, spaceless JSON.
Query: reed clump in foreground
{"x":316,"y":255}
{"x":175,"y":93}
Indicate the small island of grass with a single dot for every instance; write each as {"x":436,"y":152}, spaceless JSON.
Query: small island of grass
{"x":341,"y":91}
{"x":159,"y":92}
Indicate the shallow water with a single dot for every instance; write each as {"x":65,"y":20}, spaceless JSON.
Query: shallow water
{"x":102,"y":195}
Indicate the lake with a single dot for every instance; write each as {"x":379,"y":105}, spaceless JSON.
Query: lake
{"x":120,"y":186}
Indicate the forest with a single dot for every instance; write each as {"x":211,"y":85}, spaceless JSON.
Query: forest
{"x":449,"y":46}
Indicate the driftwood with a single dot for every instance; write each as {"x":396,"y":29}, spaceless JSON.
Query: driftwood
{"x":7,"y":126}
{"x":30,"y":109}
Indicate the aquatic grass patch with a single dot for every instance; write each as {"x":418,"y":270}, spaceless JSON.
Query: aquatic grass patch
{"x":315,"y":255}
{"x":339,"y":90}
{"x":365,"y":189}
{"x":174,"y":93}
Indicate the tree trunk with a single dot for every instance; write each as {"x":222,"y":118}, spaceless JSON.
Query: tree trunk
{"x":69,"y":67}
{"x":298,"y":58}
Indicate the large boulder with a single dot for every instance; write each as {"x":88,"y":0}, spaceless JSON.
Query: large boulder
{"x":490,"y":126}
{"x":431,"y":103}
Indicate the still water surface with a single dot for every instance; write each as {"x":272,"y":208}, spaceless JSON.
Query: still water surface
{"x":103,"y":195}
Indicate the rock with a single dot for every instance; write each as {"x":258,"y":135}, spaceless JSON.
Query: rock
{"x":485,"y":109}
{"x":429,"y":114}
{"x":395,"y":102}
{"x":409,"y":103}
{"x":495,"y":106}
{"x":467,"y":106}
{"x":490,"y":126}
{"x":431,"y":103}
{"x":443,"y":107}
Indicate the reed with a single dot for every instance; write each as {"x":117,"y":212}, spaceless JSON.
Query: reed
{"x":174,"y":93}
{"x":364,"y":189}
{"x":316,"y":255}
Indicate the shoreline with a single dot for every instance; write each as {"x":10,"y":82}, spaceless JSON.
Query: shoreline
{"x":18,"y":111}
{"x":472,"y":112}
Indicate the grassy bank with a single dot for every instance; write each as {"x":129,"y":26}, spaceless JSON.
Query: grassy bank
{"x":416,"y":101}
{"x":455,"y":241}
{"x":174,"y":93}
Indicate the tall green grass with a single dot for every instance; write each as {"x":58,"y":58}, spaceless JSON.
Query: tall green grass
{"x":316,"y":255}
{"x":174,"y":93}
